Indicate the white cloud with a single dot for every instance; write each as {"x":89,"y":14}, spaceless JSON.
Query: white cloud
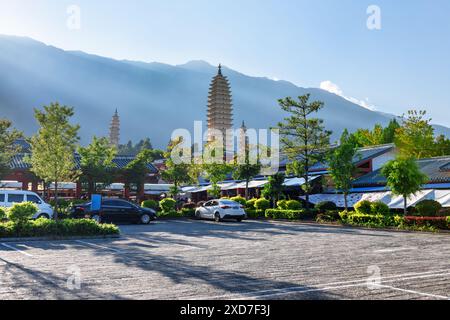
{"x":331,"y":87}
{"x":334,"y":88}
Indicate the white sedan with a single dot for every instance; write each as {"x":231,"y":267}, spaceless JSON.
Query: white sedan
{"x":219,"y":210}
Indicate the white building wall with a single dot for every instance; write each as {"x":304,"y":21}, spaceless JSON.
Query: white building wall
{"x":381,"y":160}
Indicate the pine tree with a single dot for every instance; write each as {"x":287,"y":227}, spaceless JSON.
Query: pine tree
{"x":303,"y":138}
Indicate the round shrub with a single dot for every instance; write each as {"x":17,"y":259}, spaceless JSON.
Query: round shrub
{"x":239,"y":200}
{"x":293,"y":205}
{"x":282,"y":204}
{"x":262,"y":204}
{"x":2,"y":214}
{"x":250,"y":204}
{"x":325,"y":206}
{"x":167,"y":205}
{"x":428,"y":208}
{"x":379,"y":207}
{"x":189,"y":206}
{"x":22,"y":212}
{"x":150,"y":204}
{"x":364,"y":207}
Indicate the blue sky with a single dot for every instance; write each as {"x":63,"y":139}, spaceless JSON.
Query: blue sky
{"x":404,"y":65}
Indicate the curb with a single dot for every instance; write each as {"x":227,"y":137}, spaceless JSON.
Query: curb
{"x":312,"y":223}
{"x":115,"y":236}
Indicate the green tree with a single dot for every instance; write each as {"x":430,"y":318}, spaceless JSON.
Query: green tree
{"x":274,"y":188}
{"x":246,"y":171}
{"x":303,"y":138}
{"x":97,"y":163}
{"x":136,"y":171}
{"x":404,"y":177}
{"x":216,"y":172}
{"x":341,"y":164}
{"x":390,"y":131}
{"x":176,"y":173}
{"x":7,"y":146}
{"x":415,"y":138}
{"x":53,"y":147}
{"x":442,"y":146}
{"x":378,"y":135}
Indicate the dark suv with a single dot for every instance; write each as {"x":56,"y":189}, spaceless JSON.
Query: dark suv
{"x":115,"y":211}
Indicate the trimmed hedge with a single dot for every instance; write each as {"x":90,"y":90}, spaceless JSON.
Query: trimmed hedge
{"x":250,"y":204}
{"x":262,"y":204}
{"x":239,"y":200}
{"x":60,"y":228}
{"x":293,"y":205}
{"x":2,"y":214}
{"x":167,"y":205}
{"x":379,"y":207}
{"x":325,"y":206}
{"x":150,"y":204}
{"x":428,"y":208}
{"x":282,"y":204}
{"x":436,"y":222}
{"x":288,"y":214}
{"x":364,"y":207}
{"x":22,"y":212}
{"x":254,"y":214}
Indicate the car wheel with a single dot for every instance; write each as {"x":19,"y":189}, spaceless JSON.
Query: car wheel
{"x":197,"y":215}
{"x":43,"y":216}
{"x":97,"y":218}
{"x":239,"y":219}
{"x":145,"y":219}
{"x":217,"y":217}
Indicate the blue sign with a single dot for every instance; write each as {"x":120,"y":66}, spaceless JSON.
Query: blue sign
{"x":96,"y":202}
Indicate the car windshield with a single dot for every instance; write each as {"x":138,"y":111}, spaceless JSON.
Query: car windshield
{"x":229,"y":202}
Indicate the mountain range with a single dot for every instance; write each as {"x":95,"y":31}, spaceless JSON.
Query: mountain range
{"x":153,"y":99}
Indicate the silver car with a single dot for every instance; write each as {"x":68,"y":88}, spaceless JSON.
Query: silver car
{"x":219,"y":210}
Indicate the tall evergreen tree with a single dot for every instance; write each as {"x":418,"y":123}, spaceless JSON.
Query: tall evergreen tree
{"x":303,"y":138}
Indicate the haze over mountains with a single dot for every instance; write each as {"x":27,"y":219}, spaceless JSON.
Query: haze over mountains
{"x":153,"y":99}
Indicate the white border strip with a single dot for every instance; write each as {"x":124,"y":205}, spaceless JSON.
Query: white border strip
{"x":16,"y":249}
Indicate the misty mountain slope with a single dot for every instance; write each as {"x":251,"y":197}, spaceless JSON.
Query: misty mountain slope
{"x":153,"y":99}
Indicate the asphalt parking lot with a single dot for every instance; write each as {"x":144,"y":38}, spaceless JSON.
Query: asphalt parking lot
{"x":186,"y":259}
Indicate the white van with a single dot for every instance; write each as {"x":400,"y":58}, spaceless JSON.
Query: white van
{"x":9,"y":197}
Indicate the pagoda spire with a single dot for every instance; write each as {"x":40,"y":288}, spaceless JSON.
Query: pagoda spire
{"x":114,"y":130}
{"x":220,"y":111}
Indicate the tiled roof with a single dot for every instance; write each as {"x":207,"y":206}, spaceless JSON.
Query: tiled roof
{"x":120,"y":161}
{"x":437,"y":170}
{"x":23,"y":144}
{"x":363,"y":154}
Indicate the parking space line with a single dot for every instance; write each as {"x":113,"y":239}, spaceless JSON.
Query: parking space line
{"x":16,"y":249}
{"x":414,"y":292}
{"x":328,"y":286}
{"x":389,"y":250}
{"x":98,"y":246}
